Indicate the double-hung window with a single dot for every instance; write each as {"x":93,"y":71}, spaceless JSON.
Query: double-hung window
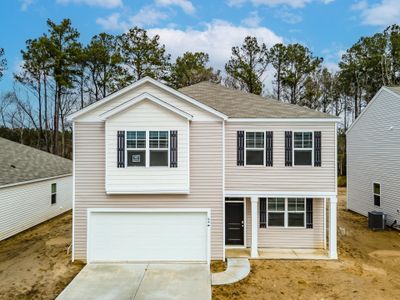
{"x":255,"y":148}
{"x":303,"y":148}
{"x":53,"y":193}
{"x":377,"y":194}
{"x":296,"y":212}
{"x":286,"y":212}
{"x":136,"y":148}
{"x":276,"y":212}
{"x":158,"y":147}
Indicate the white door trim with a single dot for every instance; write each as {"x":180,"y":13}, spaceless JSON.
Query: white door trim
{"x":149,"y":210}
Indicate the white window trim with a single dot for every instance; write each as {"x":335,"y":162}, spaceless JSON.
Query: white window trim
{"x":55,"y":193}
{"x":303,"y":149}
{"x":286,"y":214}
{"x":380,"y":193}
{"x":147,"y":149}
{"x":257,"y":149}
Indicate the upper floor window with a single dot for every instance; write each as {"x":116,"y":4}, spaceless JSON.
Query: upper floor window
{"x":255,"y":148}
{"x":377,"y":194}
{"x":158,"y":145}
{"x":136,"y":148}
{"x":147,"y":148}
{"x":303,"y":148}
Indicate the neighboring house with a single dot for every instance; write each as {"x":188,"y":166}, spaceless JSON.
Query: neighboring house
{"x":373,"y":157}
{"x":167,"y":175}
{"x":34,"y":186}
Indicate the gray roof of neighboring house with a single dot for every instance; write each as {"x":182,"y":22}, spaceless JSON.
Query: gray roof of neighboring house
{"x":238,"y":104}
{"x":395,"y":89}
{"x":19,"y":163}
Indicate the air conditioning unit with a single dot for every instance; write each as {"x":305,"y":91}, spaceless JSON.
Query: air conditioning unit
{"x":376,"y":220}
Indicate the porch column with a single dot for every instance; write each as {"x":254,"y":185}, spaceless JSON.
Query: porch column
{"x":332,"y":227}
{"x":254,"y":226}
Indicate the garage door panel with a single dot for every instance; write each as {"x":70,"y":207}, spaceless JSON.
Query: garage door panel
{"x":148,"y":236}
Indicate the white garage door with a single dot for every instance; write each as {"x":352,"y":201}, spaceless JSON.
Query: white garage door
{"x":147,"y":236}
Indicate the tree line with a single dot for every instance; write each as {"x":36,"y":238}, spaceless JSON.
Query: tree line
{"x":59,"y":74}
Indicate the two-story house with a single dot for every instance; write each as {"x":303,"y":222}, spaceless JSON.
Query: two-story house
{"x":167,"y":175}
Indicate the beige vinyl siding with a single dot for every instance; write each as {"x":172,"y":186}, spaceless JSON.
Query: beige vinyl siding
{"x":206,"y":189}
{"x":280,"y":178}
{"x":373,"y":155}
{"x":289,"y":237}
{"x":197,"y":113}
{"x":26,"y":205}
{"x":147,"y":115}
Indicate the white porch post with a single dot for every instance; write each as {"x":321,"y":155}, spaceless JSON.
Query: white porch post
{"x":332,"y":227}
{"x":254,"y":226}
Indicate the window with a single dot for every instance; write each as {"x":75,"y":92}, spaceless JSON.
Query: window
{"x":53,"y":193}
{"x":296,"y":212}
{"x":286,"y":212}
{"x":276,"y":212}
{"x":158,"y":145}
{"x":255,"y":148}
{"x":377,"y":194}
{"x":136,"y":148}
{"x":303,"y":148}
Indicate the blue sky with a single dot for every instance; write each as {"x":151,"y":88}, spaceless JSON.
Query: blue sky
{"x":327,"y":27}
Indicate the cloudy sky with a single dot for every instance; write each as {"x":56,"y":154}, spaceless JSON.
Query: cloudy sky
{"x":327,"y":27}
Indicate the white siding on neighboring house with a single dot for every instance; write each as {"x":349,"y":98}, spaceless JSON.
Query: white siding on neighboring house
{"x":373,"y":155}
{"x":280,"y":178}
{"x":26,"y":205}
{"x":147,"y":115}
{"x":206,"y":186}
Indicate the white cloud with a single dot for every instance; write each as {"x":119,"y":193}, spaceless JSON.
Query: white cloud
{"x":291,"y":3}
{"x":101,"y":3}
{"x":289,"y":17}
{"x":384,"y":13}
{"x":185,"y":5}
{"x":235,"y":3}
{"x":253,"y":20}
{"x":360,"y":5}
{"x":112,"y":22}
{"x":216,"y":39}
{"x":25,"y":4}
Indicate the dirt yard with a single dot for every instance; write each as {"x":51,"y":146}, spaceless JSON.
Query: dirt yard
{"x":34,"y":264}
{"x":368,"y":268}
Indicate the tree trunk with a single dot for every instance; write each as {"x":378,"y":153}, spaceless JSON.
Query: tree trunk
{"x":46,"y":119}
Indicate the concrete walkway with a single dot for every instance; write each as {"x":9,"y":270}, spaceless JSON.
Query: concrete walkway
{"x":238,"y":268}
{"x":140,"y":281}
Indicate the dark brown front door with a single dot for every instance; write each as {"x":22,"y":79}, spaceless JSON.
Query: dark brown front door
{"x":234,"y":223}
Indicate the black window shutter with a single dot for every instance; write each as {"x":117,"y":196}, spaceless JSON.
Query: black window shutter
{"x":263,"y":212}
{"x":173,"y":149}
{"x":240,"y":148}
{"x":288,"y":148}
{"x":121,"y":149}
{"x":317,"y":148}
{"x":309,"y":212}
{"x":269,"y":148}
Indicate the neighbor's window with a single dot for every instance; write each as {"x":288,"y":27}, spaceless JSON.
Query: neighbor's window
{"x":158,"y":145}
{"x":377,"y":194}
{"x":255,"y":148}
{"x":136,"y":148}
{"x":303,"y":148}
{"x":276,"y":212}
{"x":53,"y":193}
{"x":296,"y":212}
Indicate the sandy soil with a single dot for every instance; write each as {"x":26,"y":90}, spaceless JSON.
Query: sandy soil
{"x":368,"y":268}
{"x":34,"y":264}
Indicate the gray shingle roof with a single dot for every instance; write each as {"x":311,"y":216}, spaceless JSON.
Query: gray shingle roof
{"x":19,"y":163}
{"x":395,"y":89}
{"x":238,"y":104}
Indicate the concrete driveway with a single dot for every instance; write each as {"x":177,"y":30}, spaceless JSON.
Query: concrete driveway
{"x":140,"y":281}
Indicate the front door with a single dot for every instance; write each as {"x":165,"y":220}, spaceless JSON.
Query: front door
{"x":234,"y":223}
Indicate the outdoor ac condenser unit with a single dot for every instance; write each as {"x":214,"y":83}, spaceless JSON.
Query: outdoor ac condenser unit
{"x":376,"y":220}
